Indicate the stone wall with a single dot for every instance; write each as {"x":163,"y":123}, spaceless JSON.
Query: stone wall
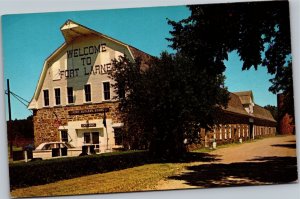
{"x":47,"y":120}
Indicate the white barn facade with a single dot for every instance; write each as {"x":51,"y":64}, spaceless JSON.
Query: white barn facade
{"x":74,"y":93}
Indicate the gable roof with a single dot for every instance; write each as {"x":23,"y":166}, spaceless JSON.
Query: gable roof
{"x":235,"y":105}
{"x":262,"y":113}
{"x":245,"y":96}
{"x":72,"y":30}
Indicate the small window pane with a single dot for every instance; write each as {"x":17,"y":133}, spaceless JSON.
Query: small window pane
{"x":87,"y":90}
{"x":70,"y":95}
{"x":46,"y":98}
{"x":57,"y":96}
{"x":64,"y":136}
{"x":87,"y":138}
{"x":106,"y":90}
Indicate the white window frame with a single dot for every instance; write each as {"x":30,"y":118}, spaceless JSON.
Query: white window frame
{"x":59,"y":96}
{"x":103,"y":95}
{"x":61,"y":135}
{"x":84,"y":96}
{"x":44,"y":98}
{"x":67,"y":100}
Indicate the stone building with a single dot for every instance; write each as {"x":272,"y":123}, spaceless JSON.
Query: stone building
{"x":241,"y":120}
{"x":73,"y":100}
{"x":74,"y":93}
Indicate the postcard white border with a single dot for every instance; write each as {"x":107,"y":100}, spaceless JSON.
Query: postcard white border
{"x":291,"y":191}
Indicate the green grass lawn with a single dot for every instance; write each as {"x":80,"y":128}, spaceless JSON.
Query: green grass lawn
{"x":141,"y":178}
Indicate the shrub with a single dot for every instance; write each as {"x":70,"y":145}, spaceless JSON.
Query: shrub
{"x":47,"y":171}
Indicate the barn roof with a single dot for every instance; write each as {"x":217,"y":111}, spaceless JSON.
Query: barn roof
{"x":245,"y":96}
{"x":262,"y":113}
{"x":71,"y":31}
{"x":236,"y":102}
{"x":235,"y":105}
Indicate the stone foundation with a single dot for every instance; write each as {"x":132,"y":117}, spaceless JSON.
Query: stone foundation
{"x":47,"y":120}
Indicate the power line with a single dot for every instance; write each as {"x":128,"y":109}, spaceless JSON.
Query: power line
{"x":20,"y":99}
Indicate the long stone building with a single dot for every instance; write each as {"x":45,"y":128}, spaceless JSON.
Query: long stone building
{"x":241,"y":120}
{"x":73,"y":100}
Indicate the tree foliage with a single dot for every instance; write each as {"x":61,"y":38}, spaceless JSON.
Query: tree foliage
{"x":284,"y":83}
{"x":177,"y":94}
{"x":273,"y":110}
{"x":22,"y":128}
{"x":254,"y":29}
{"x":168,"y":101}
{"x":258,"y":31}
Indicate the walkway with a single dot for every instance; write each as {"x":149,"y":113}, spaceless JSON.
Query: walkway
{"x":267,"y":161}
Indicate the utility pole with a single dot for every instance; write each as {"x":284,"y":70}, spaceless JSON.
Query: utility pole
{"x":9,"y":122}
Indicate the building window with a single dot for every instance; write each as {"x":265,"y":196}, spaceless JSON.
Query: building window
{"x":106,"y":90}
{"x":46,"y":97}
{"x":118,"y":136}
{"x":92,"y":138}
{"x":57,"y":96}
{"x":64,"y":136}
{"x":70,"y":95}
{"x":87,"y":91}
{"x":87,"y":138}
{"x":95,"y":139}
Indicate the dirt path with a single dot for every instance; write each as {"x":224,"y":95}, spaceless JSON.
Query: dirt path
{"x":266,"y":161}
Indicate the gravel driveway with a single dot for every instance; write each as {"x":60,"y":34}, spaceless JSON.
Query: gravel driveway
{"x":262,"y":162}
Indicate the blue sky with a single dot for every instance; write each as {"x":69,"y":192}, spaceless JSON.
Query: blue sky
{"x":28,"y":39}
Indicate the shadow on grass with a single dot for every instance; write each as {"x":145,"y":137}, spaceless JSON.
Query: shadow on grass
{"x":266,"y":170}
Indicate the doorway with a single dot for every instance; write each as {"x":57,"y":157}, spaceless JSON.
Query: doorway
{"x":92,"y":137}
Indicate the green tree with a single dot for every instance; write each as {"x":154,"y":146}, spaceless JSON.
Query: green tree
{"x":168,"y":101}
{"x":273,"y":110}
{"x":176,"y":95}
{"x":258,"y":31}
{"x":283,"y":83}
